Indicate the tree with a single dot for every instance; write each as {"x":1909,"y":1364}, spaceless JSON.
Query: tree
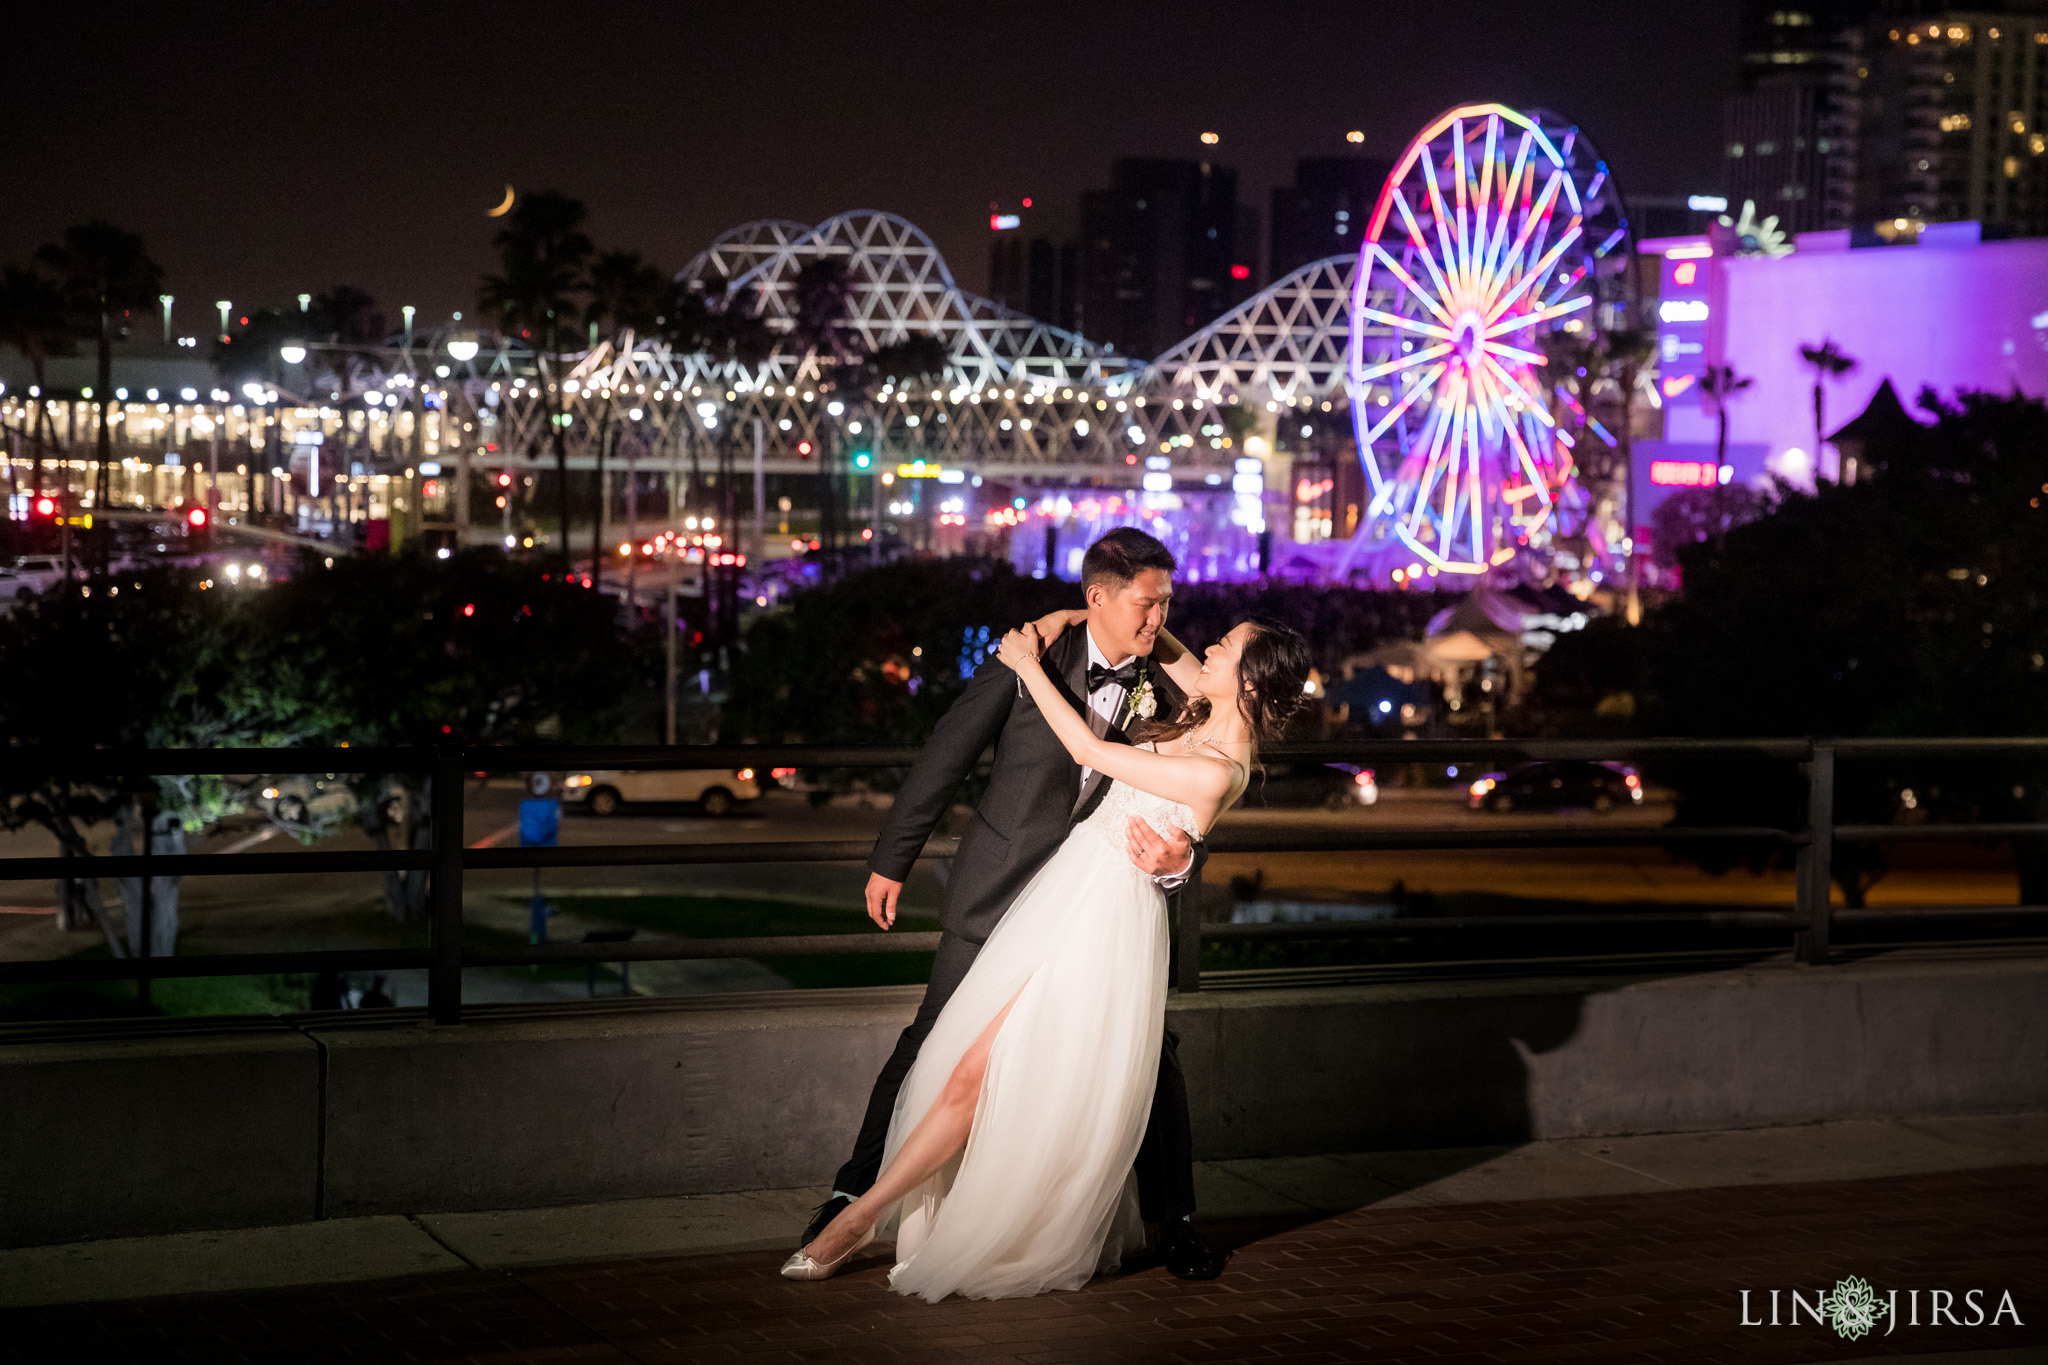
{"x":151,"y":660}
{"x":34,"y":321}
{"x":106,"y":274}
{"x":248,"y":353}
{"x":823,"y":295}
{"x":915,"y":358}
{"x":347,"y":322}
{"x":625,"y":299}
{"x":1909,"y":604}
{"x":417,"y":651}
{"x":1827,"y":362}
{"x":1721,"y":384}
{"x":544,"y":255}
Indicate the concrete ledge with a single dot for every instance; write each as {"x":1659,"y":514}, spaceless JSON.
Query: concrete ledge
{"x":111,"y":1129}
{"x":1284,"y":1072}
{"x":527,"y":1107}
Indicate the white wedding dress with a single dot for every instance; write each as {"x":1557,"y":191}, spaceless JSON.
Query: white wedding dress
{"x":1042,"y":1197}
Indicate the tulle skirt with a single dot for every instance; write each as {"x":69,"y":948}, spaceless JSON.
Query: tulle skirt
{"x":1043,"y":1197}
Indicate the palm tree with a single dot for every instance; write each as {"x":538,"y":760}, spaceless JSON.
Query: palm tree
{"x":33,"y":321}
{"x":105,"y":273}
{"x":625,"y":300}
{"x":1720,"y":383}
{"x":544,"y":253}
{"x":1828,"y":361}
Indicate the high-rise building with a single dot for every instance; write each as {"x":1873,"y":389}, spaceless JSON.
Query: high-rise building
{"x":1163,"y":251}
{"x":1323,"y":213}
{"x":1038,"y":276}
{"x":1941,"y":117}
{"x":1774,"y":143}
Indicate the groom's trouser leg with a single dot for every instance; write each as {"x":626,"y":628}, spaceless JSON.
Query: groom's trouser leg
{"x":1166,"y":1159}
{"x":949,"y":968}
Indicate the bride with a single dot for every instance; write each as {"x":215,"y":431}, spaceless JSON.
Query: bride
{"x":1008,"y":1163}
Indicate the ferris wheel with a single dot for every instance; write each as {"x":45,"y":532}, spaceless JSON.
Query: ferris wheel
{"x":1494,"y":229}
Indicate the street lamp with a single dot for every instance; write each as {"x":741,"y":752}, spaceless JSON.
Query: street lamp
{"x":291,"y":353}
{"x":462,"y":349}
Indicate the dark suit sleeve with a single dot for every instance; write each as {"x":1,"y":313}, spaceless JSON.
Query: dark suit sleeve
{"x":969,"y":726}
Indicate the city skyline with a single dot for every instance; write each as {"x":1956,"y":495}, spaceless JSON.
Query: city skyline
{"x":369,"y":153}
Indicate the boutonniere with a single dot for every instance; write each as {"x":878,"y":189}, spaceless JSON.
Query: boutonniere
{"x":1143,"y":704}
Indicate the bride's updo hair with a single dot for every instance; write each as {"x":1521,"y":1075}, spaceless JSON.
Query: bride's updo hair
{"x":1272,"y":671}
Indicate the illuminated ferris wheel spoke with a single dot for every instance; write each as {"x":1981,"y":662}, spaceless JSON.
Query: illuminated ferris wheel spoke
{"x":1411,"y":324}
{"x":1394,"y":414}
{"x":1400,"y":272}
{"x":1534,"y":276}
{"x":1530,"y":218}
{"x":1421,"y":249}
{"x":1448,"y":265}
{"x":1536,"y":407}
{"x":1421,"y":357}
{"x":1530,"y":319}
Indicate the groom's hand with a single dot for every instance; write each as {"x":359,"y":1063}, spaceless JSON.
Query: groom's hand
{"x":1155,"y":854}
{"x":882,"y":894}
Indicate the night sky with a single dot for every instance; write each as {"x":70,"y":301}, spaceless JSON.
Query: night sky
{"x":265,"y":150}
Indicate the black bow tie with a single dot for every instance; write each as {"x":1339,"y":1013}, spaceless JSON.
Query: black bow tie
{"x":1100,"y":677}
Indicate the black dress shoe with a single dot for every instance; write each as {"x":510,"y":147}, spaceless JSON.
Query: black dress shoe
{"x":827,"y":1211}
{"x":1186,"y":1254}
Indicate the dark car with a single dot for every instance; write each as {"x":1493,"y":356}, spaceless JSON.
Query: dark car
{"x":1333,"y":786}
{"x":1564,"y":785}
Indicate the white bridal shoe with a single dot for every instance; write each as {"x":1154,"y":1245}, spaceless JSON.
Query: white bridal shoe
{"x":805,"y":1267}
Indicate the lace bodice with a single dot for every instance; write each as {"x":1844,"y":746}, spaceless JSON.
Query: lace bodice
{"x":1122,"y":801}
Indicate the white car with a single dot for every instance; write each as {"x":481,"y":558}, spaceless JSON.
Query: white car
{"x":37,"y":573}
{"x":717,"y":790}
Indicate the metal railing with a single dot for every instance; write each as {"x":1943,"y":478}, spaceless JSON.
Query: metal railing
{"x":448,"y":857}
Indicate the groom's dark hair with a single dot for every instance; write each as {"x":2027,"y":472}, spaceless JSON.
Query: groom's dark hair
{"x":1122,"y":555}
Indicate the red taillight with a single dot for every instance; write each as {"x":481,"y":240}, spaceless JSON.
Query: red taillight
{"x":1633,"y":780}
{"x":1364,"y":779}
{"x":779,"y":773}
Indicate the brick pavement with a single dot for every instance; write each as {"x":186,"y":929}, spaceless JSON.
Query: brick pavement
{"x":1616,"y":1278}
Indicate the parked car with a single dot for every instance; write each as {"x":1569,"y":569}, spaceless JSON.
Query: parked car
{"x":716,"y":790}
{"x":1563,"y":785}
{"x":1333,"y":786}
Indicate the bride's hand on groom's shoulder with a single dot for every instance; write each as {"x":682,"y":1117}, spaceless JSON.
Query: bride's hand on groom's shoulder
{"x":1020,"y":645}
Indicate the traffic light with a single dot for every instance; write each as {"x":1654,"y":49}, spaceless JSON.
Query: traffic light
{"x":198,"y":531}
{"x":46,"y":509}
{"x":862,"y":459}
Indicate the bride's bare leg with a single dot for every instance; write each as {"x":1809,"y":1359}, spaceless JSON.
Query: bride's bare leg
{"x":938,"y":1135}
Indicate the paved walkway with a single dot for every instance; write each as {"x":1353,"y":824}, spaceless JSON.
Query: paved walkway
{"x":1612,"y":1250}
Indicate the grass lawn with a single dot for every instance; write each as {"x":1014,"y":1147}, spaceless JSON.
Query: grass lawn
{"x":736,"y":917}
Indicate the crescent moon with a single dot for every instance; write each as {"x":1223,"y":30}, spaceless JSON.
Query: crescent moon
{"x":502,"y":209}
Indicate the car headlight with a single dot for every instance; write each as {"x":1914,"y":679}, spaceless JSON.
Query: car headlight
{"x":744,"y":774}
{"x":1482,"y":786}
{"x":577,"y":780}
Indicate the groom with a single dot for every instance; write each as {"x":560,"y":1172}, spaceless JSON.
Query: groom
{"x":1035,"y":794}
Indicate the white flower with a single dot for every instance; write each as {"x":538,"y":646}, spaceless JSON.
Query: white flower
{"x":1143,"y":704}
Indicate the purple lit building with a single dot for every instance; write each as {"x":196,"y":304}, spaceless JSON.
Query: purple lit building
{"x":1951,"y":311}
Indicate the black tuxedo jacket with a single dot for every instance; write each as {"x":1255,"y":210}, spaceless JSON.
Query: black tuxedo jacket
{"x":1032,"y":794}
